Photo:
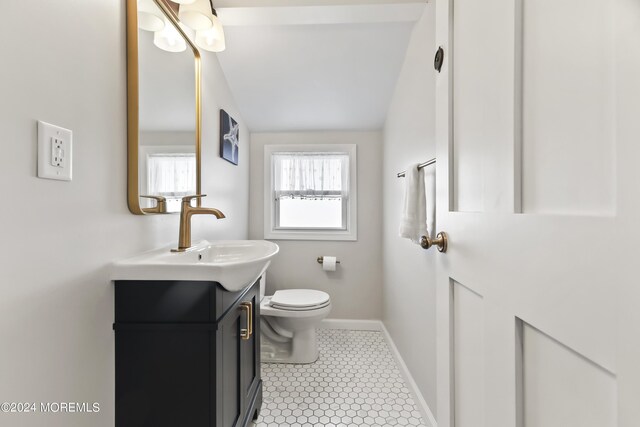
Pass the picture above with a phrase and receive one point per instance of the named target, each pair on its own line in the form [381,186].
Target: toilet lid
[313,308]
[299,299]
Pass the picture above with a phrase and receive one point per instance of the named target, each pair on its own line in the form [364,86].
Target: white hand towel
[413,222]
[430,190]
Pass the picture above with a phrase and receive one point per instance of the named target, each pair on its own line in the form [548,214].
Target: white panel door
[538,174]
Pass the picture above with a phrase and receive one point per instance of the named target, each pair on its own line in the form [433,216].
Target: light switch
[54,152]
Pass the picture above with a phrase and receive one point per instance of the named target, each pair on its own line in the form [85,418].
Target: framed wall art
[229,138]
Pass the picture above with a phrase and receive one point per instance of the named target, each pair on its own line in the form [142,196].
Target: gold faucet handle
[160,207]
[188,199]
[158,198]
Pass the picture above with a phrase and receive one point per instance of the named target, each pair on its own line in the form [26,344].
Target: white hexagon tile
[355,382]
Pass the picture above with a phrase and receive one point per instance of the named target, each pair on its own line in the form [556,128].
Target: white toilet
[288,324]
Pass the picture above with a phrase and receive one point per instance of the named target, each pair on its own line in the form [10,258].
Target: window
[310,192]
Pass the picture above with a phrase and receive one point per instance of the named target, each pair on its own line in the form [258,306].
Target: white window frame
[349,232]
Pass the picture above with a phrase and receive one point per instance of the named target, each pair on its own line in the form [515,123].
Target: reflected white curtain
[307,175]
[171,174]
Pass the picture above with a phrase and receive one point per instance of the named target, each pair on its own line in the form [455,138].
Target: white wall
[58,238]
[225,184]
[409,280]
[155,138]
[356,286]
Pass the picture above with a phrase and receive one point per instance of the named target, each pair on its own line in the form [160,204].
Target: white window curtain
[309,175]
[171,175]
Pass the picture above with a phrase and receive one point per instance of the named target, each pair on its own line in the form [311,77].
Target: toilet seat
[267,310]
[315,307]
[299,299]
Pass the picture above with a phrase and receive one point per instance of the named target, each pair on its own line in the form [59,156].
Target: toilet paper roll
[328,263]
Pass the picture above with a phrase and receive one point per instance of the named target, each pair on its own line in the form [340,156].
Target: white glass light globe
[196,15]
[150,18]
[213,38]
[169,39]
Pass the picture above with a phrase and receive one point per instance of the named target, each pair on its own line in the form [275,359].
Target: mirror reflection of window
[167,168]
[172,175]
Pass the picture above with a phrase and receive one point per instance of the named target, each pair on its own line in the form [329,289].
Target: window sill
[339,235]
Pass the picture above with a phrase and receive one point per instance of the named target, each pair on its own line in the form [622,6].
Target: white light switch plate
[54,152]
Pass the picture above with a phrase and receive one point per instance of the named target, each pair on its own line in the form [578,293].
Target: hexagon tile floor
[355,382]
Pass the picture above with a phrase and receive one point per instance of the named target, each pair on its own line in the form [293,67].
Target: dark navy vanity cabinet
[187,354]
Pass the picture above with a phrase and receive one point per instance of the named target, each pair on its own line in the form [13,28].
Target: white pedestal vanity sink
[187,335]
[234,264]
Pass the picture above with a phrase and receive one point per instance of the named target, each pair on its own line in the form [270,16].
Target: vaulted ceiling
[296,65]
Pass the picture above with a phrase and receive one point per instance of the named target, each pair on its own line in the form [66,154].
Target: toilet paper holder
[321,260]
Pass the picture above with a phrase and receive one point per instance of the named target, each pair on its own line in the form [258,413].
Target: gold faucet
[160,207]
[186,212]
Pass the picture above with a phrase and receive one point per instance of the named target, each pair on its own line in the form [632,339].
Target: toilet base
[301,349]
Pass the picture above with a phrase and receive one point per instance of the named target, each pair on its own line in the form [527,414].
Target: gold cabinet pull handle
[158,198]
[441,241]
[250,318]
[245,334]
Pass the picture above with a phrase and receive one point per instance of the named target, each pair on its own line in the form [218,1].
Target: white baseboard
[351,324]
[377,325]
[413,387]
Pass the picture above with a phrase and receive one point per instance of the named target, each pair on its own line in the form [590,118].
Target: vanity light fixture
[198,17]
[169,39]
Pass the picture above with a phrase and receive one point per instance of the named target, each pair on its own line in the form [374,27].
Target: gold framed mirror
[163,109]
